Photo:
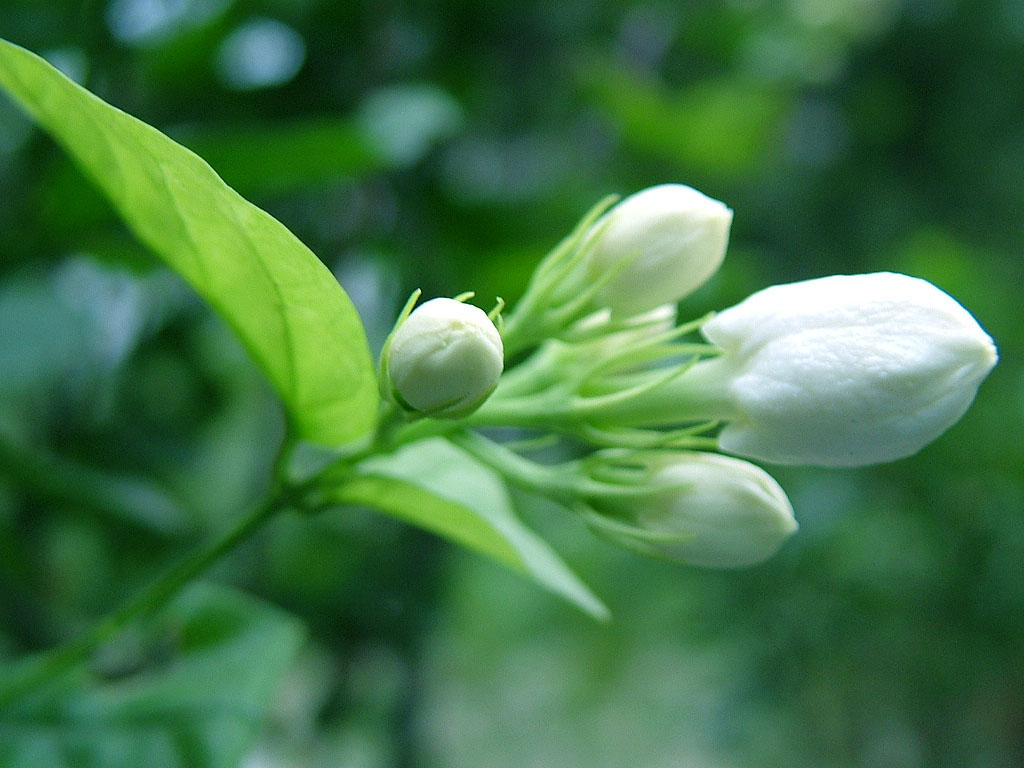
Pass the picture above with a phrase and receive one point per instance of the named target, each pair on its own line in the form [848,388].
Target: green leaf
[216,661]
[720,128]
[438,487]
[282,302]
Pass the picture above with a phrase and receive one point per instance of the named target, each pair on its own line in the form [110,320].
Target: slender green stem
[393,431]
[568,482]
[692,393]
[41,669]
[700,393]
[34,672]
[518,470]
[50,665]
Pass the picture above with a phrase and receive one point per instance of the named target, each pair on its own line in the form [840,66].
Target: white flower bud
[846,370]
[673,239]
[721,513]
[445,359]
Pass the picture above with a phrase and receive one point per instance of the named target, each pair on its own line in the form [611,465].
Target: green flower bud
[665,242]
[716,512]
[444,360]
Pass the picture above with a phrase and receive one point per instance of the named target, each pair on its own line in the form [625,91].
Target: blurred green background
[448,145]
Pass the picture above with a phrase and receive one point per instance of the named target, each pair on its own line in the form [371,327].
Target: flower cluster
[838,371]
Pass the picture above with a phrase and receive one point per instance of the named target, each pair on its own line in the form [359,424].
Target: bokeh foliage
[448,145]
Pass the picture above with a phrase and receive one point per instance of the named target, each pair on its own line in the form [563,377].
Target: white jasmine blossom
[666,241]
[845,370]
[719,512]
[444,359]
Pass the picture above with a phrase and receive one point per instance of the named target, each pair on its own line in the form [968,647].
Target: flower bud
[665,240]
[719,512]
[444,359]
[846,370]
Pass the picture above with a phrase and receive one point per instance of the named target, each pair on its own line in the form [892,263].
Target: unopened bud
[444,359]
[846,370]
[718,512]
[663,242]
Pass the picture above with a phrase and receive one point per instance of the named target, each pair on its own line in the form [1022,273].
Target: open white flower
[721,512]
[666,241]
[845,370]
[444,359]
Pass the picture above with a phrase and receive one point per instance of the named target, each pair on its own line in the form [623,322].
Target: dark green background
[447,146]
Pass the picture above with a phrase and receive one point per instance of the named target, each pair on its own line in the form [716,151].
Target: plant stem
[41,669]
[699,394]
[520,471]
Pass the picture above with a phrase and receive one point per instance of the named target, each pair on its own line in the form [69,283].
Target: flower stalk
[36,671]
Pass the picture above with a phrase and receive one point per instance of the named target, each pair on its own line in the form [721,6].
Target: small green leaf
[197,702]
[438,487]
[414,505]
[281,301]
[719,127]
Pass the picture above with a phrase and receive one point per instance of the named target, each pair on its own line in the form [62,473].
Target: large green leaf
[281,301]
[438,487]
[214,665]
